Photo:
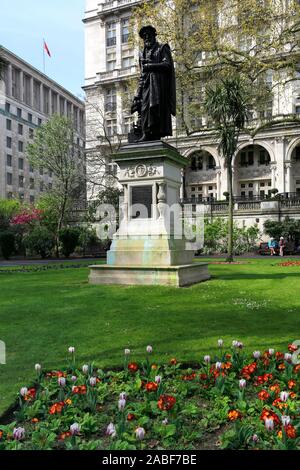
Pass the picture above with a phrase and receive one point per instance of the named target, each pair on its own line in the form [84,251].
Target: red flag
[47,49]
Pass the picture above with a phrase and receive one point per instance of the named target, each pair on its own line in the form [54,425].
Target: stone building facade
[270,161]
[29,98]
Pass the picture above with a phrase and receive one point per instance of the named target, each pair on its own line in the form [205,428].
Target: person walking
[282,246]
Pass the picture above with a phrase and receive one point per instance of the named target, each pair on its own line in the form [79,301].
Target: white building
[29,98]
[269,161]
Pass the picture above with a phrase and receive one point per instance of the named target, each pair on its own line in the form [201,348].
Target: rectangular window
[9,178]
[31,183]
[31,199]
[31,133]
[110,100]
[125,30]
[7,107]
[250,194]
[39,122]
[29,117]
[111,36]
[111,61]
[297,109]
[19,113]
[8,142]
[127,59]
[250,185]
[41,171]
[8,124]
[21,164]
[46,93]
[20,129]
[262,193]
[111,127]
[31,169]
[9,160]
[50,186]
[20,146]
[41,186]
[21,181]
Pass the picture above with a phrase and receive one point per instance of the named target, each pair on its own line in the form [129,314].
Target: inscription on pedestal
[142,195]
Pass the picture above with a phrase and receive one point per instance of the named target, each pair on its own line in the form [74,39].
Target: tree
[55,149]
[257,39]
[228,105]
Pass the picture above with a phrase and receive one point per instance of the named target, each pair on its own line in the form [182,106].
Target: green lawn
[42,314]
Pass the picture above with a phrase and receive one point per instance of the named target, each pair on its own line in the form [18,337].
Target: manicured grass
[43,313]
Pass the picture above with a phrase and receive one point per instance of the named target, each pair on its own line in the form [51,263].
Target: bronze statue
[155,100]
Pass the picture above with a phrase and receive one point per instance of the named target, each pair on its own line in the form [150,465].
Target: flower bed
[232,401]
[287,264]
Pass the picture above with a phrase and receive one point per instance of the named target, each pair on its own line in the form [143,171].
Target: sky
[24,24]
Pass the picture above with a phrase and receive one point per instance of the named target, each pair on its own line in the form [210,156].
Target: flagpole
[44,62]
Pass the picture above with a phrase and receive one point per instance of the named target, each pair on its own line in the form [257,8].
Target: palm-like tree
[228,105]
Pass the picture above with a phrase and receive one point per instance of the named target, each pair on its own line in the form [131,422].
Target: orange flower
[131,417]
[166,402]
[291,384]
[228,356]
[263,395]
[279,434]
[227,365]
[64,435]
[173,361]
[297,368]
[290,431]
[203,376]
[233,415]
[35,420]
[279,404]
[30,394]
[68,402]
[269,414]
[154,367]
[279,356]
[275,388]
[1,434]
[151,387]
[189,377]
[281,367]
[133,367]
[79,390]
[292,348]
[292,395]
[56,408]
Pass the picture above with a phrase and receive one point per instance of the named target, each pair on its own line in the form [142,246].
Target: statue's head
[148,34]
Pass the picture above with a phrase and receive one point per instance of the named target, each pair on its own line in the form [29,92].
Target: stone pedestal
[149,247]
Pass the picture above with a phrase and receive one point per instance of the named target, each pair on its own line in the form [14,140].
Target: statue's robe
[157,91]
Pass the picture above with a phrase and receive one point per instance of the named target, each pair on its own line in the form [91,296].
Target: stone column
[288,188]
[9,80]
[31,93]
[280,157]
[21,85]
[273,170]
[256,188]
[119,110]
[219,194]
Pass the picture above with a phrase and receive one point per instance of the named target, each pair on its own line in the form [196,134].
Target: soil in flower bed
[230,401]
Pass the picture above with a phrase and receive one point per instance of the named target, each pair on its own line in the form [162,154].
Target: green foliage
[69,238]
[39,241]
[289,229]
[7,243]
[215,237]
[8,208]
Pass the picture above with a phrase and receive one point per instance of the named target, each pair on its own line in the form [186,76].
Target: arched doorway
[252,172]
[201,182]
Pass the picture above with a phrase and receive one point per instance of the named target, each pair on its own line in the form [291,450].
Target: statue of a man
[155,100]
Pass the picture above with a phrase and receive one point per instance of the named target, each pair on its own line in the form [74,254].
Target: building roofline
[44,76]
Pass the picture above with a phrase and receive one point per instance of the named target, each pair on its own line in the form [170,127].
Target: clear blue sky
[24,24]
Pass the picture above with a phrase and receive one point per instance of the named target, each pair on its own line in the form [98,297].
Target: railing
[252,206]
[117,73]
[113,4]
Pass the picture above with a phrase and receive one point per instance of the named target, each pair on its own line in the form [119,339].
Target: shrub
[69,239]
[87,239]
[39,241]
[7,243]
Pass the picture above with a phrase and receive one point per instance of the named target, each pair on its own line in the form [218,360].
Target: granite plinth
[175,276]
